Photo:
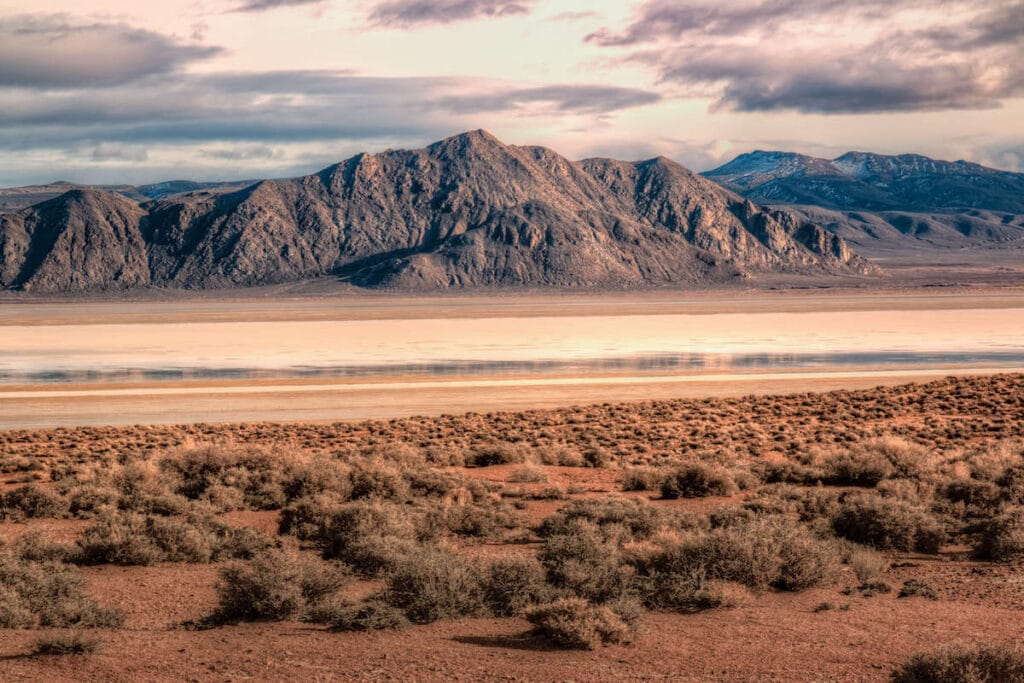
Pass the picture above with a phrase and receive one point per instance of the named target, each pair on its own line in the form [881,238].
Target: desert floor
[962,434]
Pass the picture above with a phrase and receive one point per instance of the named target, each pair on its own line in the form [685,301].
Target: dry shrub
[133,539]
[76,643]
[32,502]
[584,561]
[511,585]
[577,624]
[641,479]
[1002,538]
[908,459]
[992,461]
[759,554]
[379,481]
[697,480]
[371,615]
[528,474]
[637,519]
[857,467]
[47,594]
[497,454]
[997,663]
[434,583]
[274,586]
[306,517]
[867,564]
[370,536]
[887,524]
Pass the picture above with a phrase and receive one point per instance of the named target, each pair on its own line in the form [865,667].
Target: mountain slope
[467,211]
[893,206]
[81,240]
[873,182]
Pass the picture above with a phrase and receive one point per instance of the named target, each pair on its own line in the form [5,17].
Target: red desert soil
[775,636]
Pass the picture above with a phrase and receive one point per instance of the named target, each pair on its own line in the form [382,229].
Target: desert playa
[312,358]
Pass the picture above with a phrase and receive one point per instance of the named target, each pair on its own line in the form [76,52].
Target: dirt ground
[777,635]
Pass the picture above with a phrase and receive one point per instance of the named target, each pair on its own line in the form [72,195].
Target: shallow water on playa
[549,345]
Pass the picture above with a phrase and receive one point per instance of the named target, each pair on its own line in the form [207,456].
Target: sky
[111,91]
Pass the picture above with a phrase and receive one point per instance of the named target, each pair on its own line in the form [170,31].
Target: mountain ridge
[467,211]
[871,182]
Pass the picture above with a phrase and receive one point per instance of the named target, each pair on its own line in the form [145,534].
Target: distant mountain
[882,203]
[871,182]
[467,211]
[15,198]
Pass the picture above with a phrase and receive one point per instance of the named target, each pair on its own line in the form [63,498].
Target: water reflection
[638,364]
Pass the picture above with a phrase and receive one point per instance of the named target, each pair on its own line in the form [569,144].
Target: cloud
[264,5]
[774,55]
[575,16]
[412,12]
[110,151]
[282,106]
[867,82]
[671,19]
[586,99]
[42,51]
[242,153]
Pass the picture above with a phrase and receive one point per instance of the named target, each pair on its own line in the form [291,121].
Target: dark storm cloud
[586,99]
[762,56]
[411,12]
[263,5]
[54,51]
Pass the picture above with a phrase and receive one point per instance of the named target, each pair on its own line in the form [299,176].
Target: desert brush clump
[74,643]
[987,663]
[47,594]
[584,561]
[1001,539]
[434,583]
[511,585]
[759,554]
[374,614]
[887,524]
[574,623]
[31,502]
[697,480]
[275,585]
[638,519]
[369,536]
[130,538]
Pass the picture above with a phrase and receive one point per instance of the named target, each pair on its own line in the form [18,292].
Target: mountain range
[882,203]
[467,211]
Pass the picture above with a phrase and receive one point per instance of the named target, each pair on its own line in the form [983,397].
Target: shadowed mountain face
[467,211]
[887,204]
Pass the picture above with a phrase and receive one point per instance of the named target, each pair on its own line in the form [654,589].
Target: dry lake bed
[219,360]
